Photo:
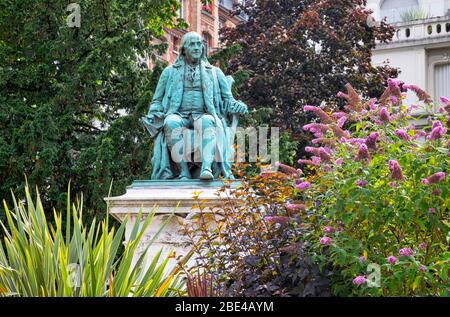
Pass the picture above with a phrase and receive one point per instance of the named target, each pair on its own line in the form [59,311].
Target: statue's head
[192,47]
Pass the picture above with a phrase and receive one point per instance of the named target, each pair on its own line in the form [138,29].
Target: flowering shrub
[368,215]
[378,194]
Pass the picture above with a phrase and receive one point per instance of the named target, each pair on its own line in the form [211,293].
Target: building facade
[421,44]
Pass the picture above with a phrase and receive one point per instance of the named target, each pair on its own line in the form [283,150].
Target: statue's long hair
[185,40]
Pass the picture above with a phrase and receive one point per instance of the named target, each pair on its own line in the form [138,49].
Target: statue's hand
[239,107]
[153,121]
[157,114]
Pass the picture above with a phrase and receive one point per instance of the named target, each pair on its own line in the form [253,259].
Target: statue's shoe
[206,175]
[183,177]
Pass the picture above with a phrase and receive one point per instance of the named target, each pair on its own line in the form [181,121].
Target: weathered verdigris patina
[191,105]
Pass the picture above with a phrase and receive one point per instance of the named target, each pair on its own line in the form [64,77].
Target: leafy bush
[379,195]
[37,259]
[252,245]
[368,216]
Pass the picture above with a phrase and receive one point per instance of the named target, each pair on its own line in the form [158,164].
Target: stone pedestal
[172,199]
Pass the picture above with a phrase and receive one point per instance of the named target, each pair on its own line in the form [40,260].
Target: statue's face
[194,48]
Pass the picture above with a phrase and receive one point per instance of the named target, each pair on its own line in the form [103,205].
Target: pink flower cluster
[338,115]
[359,280]
[325,240]
[303,186]
[393,100]
[292,206]
[341,121]
[373,104]
[276,219]
[316,128]
[402,134]
[371,140]
[363,153]
[361,183]
[384,115]
[437,131]
[289,169]
[320,113]
[422,246]
[419,133]
[446,102]
[434,179]
[405,252]
[392,259]
[396,171]
[421,94]
[394,83]
[323,152]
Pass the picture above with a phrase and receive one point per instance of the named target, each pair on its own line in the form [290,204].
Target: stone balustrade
[418,32]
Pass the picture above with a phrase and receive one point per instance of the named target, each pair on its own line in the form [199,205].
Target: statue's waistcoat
[176,87]
[192,100]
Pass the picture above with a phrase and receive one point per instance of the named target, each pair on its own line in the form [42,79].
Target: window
[207,42]
[395,10]
[242,14]
[221,23]
[208,8]
[441,81]
[176,43]
[181,9]
[228,4]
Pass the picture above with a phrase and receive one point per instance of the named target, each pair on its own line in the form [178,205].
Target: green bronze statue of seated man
[192,95]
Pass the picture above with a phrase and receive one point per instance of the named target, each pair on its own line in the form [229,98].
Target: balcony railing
[425,29]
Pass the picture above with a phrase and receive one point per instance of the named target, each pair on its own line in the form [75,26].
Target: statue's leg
[205,126]
[173,129]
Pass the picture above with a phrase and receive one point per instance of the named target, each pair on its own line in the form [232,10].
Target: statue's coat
[167,100]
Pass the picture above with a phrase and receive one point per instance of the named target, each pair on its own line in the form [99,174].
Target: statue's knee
[207,121]
[172,122]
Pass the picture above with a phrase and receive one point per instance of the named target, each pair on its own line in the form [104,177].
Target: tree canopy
[71,97]
[303,52]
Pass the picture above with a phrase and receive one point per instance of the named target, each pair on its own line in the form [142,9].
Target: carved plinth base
[172,199]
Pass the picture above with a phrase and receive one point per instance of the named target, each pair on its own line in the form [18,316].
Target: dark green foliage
[71,98]
[291,274]
[260,116]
